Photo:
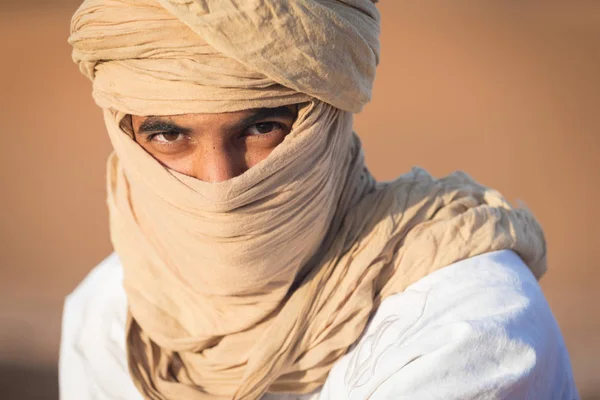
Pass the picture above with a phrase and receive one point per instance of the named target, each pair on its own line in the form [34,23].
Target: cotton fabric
[260,283]
[493,312]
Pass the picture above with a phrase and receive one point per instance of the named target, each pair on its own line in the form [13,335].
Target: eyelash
[276,126]
[151,137]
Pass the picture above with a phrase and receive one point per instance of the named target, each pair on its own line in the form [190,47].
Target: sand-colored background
[508,91]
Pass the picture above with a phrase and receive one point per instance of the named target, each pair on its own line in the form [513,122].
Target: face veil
[260,283]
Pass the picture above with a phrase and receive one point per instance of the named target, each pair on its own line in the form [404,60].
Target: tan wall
[508,92]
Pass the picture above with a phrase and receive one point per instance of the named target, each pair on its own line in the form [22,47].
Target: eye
[166,137]
[263,128]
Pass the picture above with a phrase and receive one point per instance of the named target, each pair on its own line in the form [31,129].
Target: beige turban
[260,283]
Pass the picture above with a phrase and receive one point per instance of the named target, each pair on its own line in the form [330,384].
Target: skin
[214,147]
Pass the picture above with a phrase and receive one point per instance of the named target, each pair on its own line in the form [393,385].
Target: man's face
[214,147]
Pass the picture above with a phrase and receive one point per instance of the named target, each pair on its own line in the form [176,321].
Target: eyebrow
[157,124]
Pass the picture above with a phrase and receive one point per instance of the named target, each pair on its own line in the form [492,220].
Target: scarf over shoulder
[260,283]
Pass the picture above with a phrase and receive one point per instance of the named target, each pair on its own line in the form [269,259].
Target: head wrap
[260,283]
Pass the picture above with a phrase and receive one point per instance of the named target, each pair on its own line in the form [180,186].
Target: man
[257,257]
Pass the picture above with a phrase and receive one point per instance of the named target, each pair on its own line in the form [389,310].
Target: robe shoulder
[93,361]
[478,329]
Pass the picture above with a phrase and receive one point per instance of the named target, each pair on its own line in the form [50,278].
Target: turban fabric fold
[261,283]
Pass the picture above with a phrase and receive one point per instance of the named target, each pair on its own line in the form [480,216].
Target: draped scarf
[262,282]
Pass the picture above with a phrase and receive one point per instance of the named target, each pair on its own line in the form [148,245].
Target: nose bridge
[217,161]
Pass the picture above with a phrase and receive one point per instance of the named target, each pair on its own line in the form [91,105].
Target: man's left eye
[263,128]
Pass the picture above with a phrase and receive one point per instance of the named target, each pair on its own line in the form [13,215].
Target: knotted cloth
[260,283]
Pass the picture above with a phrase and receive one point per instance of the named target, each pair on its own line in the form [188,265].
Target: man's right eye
[165,138]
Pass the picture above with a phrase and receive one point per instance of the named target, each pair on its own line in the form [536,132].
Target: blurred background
[507,91]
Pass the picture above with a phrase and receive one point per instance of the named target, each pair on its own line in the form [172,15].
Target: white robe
[477,329]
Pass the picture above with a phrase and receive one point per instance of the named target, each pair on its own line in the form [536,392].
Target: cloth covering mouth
[261,283]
